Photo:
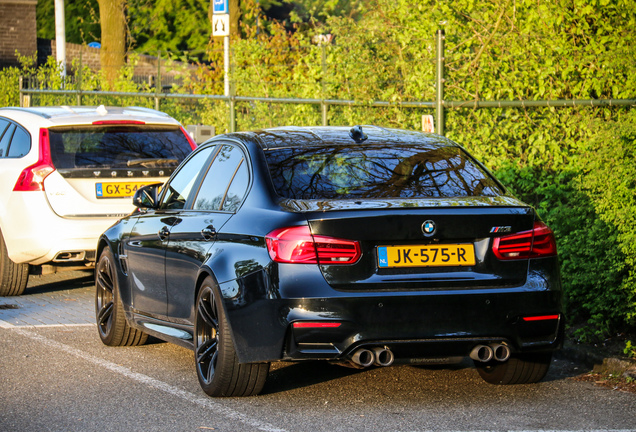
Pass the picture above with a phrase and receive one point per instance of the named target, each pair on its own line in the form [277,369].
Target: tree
[315,11]
[82,20]
[113,24]
[169,25]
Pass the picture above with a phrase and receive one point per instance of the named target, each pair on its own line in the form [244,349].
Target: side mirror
[147,196]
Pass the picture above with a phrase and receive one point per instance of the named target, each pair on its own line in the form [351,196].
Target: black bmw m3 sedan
[363,246]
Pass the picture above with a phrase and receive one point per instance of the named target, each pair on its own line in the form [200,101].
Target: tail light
[32,178]
[317,324]
[540,318]
[193,144]
[298,245]
[535,243]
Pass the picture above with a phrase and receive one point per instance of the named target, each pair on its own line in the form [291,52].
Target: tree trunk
[235,15]
[113,23]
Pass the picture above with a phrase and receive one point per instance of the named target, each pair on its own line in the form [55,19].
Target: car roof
[302,136]
[67,115]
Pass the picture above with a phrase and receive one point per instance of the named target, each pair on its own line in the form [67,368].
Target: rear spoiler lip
[307,206]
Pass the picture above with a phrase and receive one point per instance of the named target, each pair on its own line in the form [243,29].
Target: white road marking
[34,326]
[204,402]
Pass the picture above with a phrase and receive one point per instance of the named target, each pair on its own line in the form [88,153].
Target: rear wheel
[519,369]
[218,369]
[111,322]
[13,277]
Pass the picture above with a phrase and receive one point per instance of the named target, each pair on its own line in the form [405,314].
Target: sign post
[428,123]
[220,7]
[221,27]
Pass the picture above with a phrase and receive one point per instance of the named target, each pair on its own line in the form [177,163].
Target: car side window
[180,186]
[3,127]
[225,182]
[5,138]
[237,189]
[20,144]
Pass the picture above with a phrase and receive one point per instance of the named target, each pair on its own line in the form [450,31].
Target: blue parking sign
[220,7]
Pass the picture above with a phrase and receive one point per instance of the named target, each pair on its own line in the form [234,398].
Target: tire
[216,362]
[520,369]
[109,311]
[13,277]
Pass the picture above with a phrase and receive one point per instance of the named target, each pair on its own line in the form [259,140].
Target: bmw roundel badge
[428,228]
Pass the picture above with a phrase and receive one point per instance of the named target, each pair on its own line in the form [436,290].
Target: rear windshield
[377,171]
[118,147]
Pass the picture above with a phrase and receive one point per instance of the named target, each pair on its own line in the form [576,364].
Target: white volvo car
[67,174]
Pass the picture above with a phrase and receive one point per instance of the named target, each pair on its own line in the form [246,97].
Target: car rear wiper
[152,163]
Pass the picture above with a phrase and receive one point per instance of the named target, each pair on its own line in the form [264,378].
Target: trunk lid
[99,168]
[398,253]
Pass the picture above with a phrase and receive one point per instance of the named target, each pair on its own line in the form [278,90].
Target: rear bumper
[419,328]
[413,324]
[35,235]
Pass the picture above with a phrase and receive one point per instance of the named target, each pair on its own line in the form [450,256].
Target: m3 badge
[500,229]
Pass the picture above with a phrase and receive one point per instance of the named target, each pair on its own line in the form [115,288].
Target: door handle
[164,233]
[208,233]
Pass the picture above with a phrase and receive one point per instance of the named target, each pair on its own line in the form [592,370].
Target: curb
[599,362]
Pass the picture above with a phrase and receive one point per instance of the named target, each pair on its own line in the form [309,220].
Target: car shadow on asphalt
[563,368]
[51,284]
[290,376]
[560,368]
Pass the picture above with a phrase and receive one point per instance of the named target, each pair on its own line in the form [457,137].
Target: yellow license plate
[445,255]
[117,190]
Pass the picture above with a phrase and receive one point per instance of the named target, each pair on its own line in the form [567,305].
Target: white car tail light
[32,177]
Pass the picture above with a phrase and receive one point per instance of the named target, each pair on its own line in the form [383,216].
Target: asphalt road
[56,375]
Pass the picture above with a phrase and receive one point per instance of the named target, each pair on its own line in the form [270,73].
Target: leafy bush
[593,268]
[630,350]
[609,178]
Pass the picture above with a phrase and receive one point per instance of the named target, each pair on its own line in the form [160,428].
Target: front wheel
[13,277]
[519,369]
[109,311]
[217,366]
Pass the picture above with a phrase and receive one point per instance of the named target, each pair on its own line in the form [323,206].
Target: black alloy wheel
[217,366]
[207,336]
[111,322]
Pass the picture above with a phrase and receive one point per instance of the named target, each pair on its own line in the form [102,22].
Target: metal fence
[438,106]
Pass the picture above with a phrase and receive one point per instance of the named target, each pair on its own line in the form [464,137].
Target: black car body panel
[420,313]
[415,318]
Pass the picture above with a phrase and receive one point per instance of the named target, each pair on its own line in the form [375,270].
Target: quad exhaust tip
[378,356]
[383,356]
[485,353]
[363,357]
[501,352]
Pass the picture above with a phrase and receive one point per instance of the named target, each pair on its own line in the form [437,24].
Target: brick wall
[90,56]
[146,65]
[17,30]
